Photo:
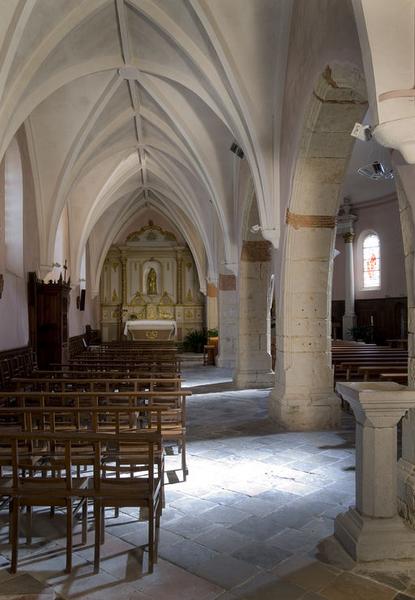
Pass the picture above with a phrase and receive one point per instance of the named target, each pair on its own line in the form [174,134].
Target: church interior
[207,299]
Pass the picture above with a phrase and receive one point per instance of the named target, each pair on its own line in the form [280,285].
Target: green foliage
[195,340]
[212,333]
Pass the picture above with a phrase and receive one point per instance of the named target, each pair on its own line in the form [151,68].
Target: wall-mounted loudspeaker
[82,300]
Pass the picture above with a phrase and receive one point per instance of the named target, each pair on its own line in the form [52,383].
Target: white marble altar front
[151,330]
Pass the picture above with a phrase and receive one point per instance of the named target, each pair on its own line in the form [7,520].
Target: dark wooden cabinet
[48,314]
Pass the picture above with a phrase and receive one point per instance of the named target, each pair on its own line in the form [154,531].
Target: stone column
[227,309]
[124,279]
[349,317]
[212,306]
[253,361]
[406,465]
[179,282]
[303,397]
[373,530]
[124,296]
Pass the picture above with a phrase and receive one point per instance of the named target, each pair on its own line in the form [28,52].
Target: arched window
[13,210]
[371,261]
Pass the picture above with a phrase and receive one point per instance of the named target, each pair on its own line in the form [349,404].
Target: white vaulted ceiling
[139,100]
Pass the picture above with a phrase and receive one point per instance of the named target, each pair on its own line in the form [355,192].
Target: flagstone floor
[254,519]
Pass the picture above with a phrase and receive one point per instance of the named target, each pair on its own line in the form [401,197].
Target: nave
[253,520]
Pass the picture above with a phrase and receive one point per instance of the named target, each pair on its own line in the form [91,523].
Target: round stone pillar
[253,359]
[303,397]
[212,306]
[349,317]
[227,309]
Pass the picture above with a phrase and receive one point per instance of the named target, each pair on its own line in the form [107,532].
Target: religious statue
[152,283]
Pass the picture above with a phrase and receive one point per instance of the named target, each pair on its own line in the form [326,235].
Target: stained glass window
[371,261]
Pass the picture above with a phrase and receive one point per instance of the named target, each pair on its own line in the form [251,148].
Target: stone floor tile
[293,540]
[257,528]
[24,583]
[191,505]
[112,546]
[261,554]
[255,506]
[188,554]
[277,497]
[266,585]
[396,577]
[188,527]
[222,496]
[313,577]
[348,585]
[295,563]
[222,539]
[319,526]
[170,582]
[225,571]
[224,515]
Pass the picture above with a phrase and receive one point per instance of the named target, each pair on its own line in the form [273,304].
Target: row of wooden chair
[108,392]
[42,473]
[173,427]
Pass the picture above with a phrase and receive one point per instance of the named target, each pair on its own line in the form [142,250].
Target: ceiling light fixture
[376,171]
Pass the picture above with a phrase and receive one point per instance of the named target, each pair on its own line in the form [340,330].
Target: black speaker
[82,300]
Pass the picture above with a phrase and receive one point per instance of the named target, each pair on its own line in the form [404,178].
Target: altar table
[162,329]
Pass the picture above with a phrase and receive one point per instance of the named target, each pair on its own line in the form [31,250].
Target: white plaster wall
[384,220]
[14,325]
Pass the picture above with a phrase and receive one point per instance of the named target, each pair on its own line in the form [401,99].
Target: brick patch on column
[227,283]
[318,221]
[212,290]
[256,251]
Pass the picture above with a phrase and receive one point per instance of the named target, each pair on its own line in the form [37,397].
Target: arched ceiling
[125,99]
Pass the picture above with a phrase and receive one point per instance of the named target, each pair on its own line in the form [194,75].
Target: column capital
[348,237]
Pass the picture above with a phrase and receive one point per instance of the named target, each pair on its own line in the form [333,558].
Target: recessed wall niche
[150,276]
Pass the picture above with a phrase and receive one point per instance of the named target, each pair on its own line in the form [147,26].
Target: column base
[367,539]
[296,412]
[406,491]
[225,362]
[254,379]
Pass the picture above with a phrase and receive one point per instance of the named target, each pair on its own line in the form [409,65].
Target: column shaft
[227,309]
[303,397]
[253,364]
[349,317]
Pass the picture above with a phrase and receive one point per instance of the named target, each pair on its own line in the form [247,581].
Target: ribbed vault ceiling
[132,100]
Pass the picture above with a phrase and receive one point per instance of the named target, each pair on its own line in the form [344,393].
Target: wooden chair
[51,485]
[129,475]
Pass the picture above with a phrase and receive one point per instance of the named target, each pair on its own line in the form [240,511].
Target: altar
[150,329]
[150,286]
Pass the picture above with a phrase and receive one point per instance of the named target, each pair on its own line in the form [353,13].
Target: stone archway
[303,396]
